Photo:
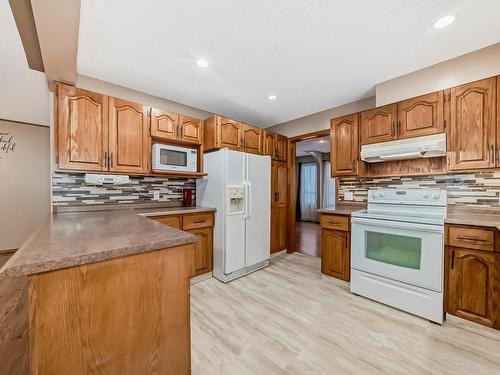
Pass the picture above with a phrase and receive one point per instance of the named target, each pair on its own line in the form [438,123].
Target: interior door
[379,124]
[406,252]
[82,127]
[234,253]
[129,142]
[230,133]
[258,216]
[344,145]
[423,115]
[473,127]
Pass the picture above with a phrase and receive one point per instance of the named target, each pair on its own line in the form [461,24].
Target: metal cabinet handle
[111,161]
[492,154]
[106,159]
[334,222]
[394,128]
[466,238]
[199,221]
[276,196]
[453,259]
[399,128]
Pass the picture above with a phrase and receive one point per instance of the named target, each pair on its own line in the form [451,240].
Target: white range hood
[428,146]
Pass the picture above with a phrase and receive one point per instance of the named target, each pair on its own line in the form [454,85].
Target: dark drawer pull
[199,221]
[334,222]
[471,239]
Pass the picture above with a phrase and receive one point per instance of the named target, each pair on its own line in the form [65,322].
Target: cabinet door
[82,129]
[281,147]
[230,133]
[191,129]
[423,115]
[269,143]
[203,250]
[379,124]
[344,145]
[164,125]
[278,206]
[280,196]
[129,144]
[252,139]
[278,228]
[335,254]
[473,128]
[473,285]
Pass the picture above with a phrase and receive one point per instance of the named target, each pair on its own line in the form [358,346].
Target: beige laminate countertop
[474,216]
[342,209]
[71,239]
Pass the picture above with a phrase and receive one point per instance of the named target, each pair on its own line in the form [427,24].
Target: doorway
[314,189]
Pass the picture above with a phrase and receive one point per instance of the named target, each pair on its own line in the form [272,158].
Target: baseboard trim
[200,278]
[278,253]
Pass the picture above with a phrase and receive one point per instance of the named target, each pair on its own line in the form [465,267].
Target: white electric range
[397,250]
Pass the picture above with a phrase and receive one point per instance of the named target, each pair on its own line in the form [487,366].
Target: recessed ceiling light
[444,22]
[202,63]
[322,141]
[272,97]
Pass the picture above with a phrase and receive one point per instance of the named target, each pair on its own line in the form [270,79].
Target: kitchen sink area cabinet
[335,246]
[472,279]
[473,128]
[344,145]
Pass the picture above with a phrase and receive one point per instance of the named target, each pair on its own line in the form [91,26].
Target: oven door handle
[397,225]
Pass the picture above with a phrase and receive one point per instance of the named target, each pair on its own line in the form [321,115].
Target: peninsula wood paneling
[123,316]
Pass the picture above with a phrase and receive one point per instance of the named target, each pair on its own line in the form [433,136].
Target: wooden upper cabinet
[164,125]
[420,116]
[473,127]
[379,124]
[191,129]
[129,142]
[229,133]
[344,145]
[473,285]
[269,140]
[252,139]
[82,129]
[281,147]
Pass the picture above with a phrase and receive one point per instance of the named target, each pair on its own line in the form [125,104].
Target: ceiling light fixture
[444,22]
[322,141]
[272,97]
[202,63]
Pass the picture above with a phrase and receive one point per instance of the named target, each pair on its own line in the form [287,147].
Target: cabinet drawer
[197,221]
[337,222]
[471,238]
[172,220]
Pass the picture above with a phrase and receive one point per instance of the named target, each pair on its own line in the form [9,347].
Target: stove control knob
[426,195]
[436,196]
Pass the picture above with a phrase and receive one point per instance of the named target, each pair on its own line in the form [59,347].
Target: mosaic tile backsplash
[466,189]
[69,189]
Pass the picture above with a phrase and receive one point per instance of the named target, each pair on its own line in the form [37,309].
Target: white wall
[471,67]
[25,182]
[24,93]
[110,89]
[321,120]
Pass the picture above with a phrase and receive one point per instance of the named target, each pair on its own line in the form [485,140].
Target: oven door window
[173,157]
[402,251]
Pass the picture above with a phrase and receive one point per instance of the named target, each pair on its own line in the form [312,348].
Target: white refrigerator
[238,185]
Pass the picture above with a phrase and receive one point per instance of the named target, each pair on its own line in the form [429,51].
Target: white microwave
[174,158]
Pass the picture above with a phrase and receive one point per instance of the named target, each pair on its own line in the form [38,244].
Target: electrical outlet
[348,196]
[156,195]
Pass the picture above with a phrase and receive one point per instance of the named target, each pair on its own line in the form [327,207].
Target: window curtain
[328,186]
[308,209]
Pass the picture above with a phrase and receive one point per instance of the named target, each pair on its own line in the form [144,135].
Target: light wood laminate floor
[286,319]
[308,238]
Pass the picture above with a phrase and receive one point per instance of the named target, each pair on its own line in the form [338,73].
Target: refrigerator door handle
[249,199]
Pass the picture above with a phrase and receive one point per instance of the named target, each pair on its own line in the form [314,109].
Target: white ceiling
[314,144]
[312,54]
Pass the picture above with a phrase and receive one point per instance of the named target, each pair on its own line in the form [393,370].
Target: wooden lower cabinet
[128,315]
[473,285]
[203,250]
[335,248]
[201,225]
[278,229]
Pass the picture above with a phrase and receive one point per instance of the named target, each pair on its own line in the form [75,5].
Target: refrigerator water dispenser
[236,196]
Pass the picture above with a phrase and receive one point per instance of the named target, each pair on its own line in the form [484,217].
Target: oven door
[408,252]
